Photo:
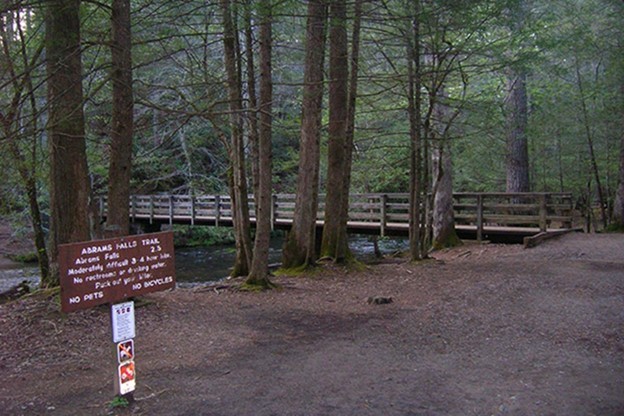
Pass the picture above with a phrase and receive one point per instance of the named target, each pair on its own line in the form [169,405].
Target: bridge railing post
[192,209]
[217,209]
[479,218]
[151,208]
[170,209]
[133,207]
[543,212]
[273,211]
[383,215]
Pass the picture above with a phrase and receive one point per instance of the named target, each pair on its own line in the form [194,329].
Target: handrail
[380,210]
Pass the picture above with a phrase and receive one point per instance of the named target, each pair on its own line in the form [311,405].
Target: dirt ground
[479,330]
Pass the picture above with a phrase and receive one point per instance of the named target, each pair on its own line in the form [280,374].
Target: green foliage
[24,257]
[181,105]
[119,402]
[189,236]
[614,228]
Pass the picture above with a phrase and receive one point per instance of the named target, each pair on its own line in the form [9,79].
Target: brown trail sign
[106,271]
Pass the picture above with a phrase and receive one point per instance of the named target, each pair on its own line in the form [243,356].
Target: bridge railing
[379,211]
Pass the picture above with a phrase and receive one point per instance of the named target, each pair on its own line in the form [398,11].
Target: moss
[258,286]
[452,240]
[293,271]
[24,257]
[614,228]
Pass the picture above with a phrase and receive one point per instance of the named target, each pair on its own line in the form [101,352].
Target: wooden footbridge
[505,217]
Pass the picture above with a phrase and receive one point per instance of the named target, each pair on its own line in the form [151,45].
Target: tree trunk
[517,156]
[516,116]
[69,180]
[350,128]
[252,114]
[300,247]
[334,243]
[238,189]
[443,218]
[259,273]
[120,169]
[413,102]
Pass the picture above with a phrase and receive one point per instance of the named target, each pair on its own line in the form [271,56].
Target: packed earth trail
[477,330]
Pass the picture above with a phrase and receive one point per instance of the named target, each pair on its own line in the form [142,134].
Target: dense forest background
[471,55]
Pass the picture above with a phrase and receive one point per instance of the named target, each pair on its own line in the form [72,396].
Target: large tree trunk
[238,188]
[444,234]
[69,180]
[517,156]
[334,242]
[259,273]
[300,246]
[443,218]
[350,127]
[413,102]
[120,169]
[516,115]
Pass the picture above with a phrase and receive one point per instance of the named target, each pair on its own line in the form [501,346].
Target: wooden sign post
[109,271]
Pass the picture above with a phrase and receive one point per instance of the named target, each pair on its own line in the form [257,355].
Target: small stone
[379,300]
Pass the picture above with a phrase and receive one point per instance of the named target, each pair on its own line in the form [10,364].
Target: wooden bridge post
[192,209]
[170,209]
[133,207]
[273,211]
[384,218]
[543,212]
[479,217]
[151,209]
[217,210]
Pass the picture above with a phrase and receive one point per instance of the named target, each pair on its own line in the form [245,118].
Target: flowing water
[195,265]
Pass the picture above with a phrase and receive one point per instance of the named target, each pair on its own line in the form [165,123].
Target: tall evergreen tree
[335,244]
[120,172]
[259,273]
[300,246]
[516,111]
[69,179]
[238,181]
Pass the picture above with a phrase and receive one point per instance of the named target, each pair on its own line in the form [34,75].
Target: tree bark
[120,169]
[252,113]
[334,243]
[443,218]
[516,116]
[238,188]
[69,181]
[259,273]
[517,156]
[350,127]
[413,103]
[300,247]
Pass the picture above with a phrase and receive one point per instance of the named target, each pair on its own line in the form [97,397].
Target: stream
[197,265]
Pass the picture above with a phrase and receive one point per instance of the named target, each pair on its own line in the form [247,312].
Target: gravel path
[480,330]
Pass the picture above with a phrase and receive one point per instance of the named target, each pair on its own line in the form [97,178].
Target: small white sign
[125,351]
[127,377]
[123,321]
